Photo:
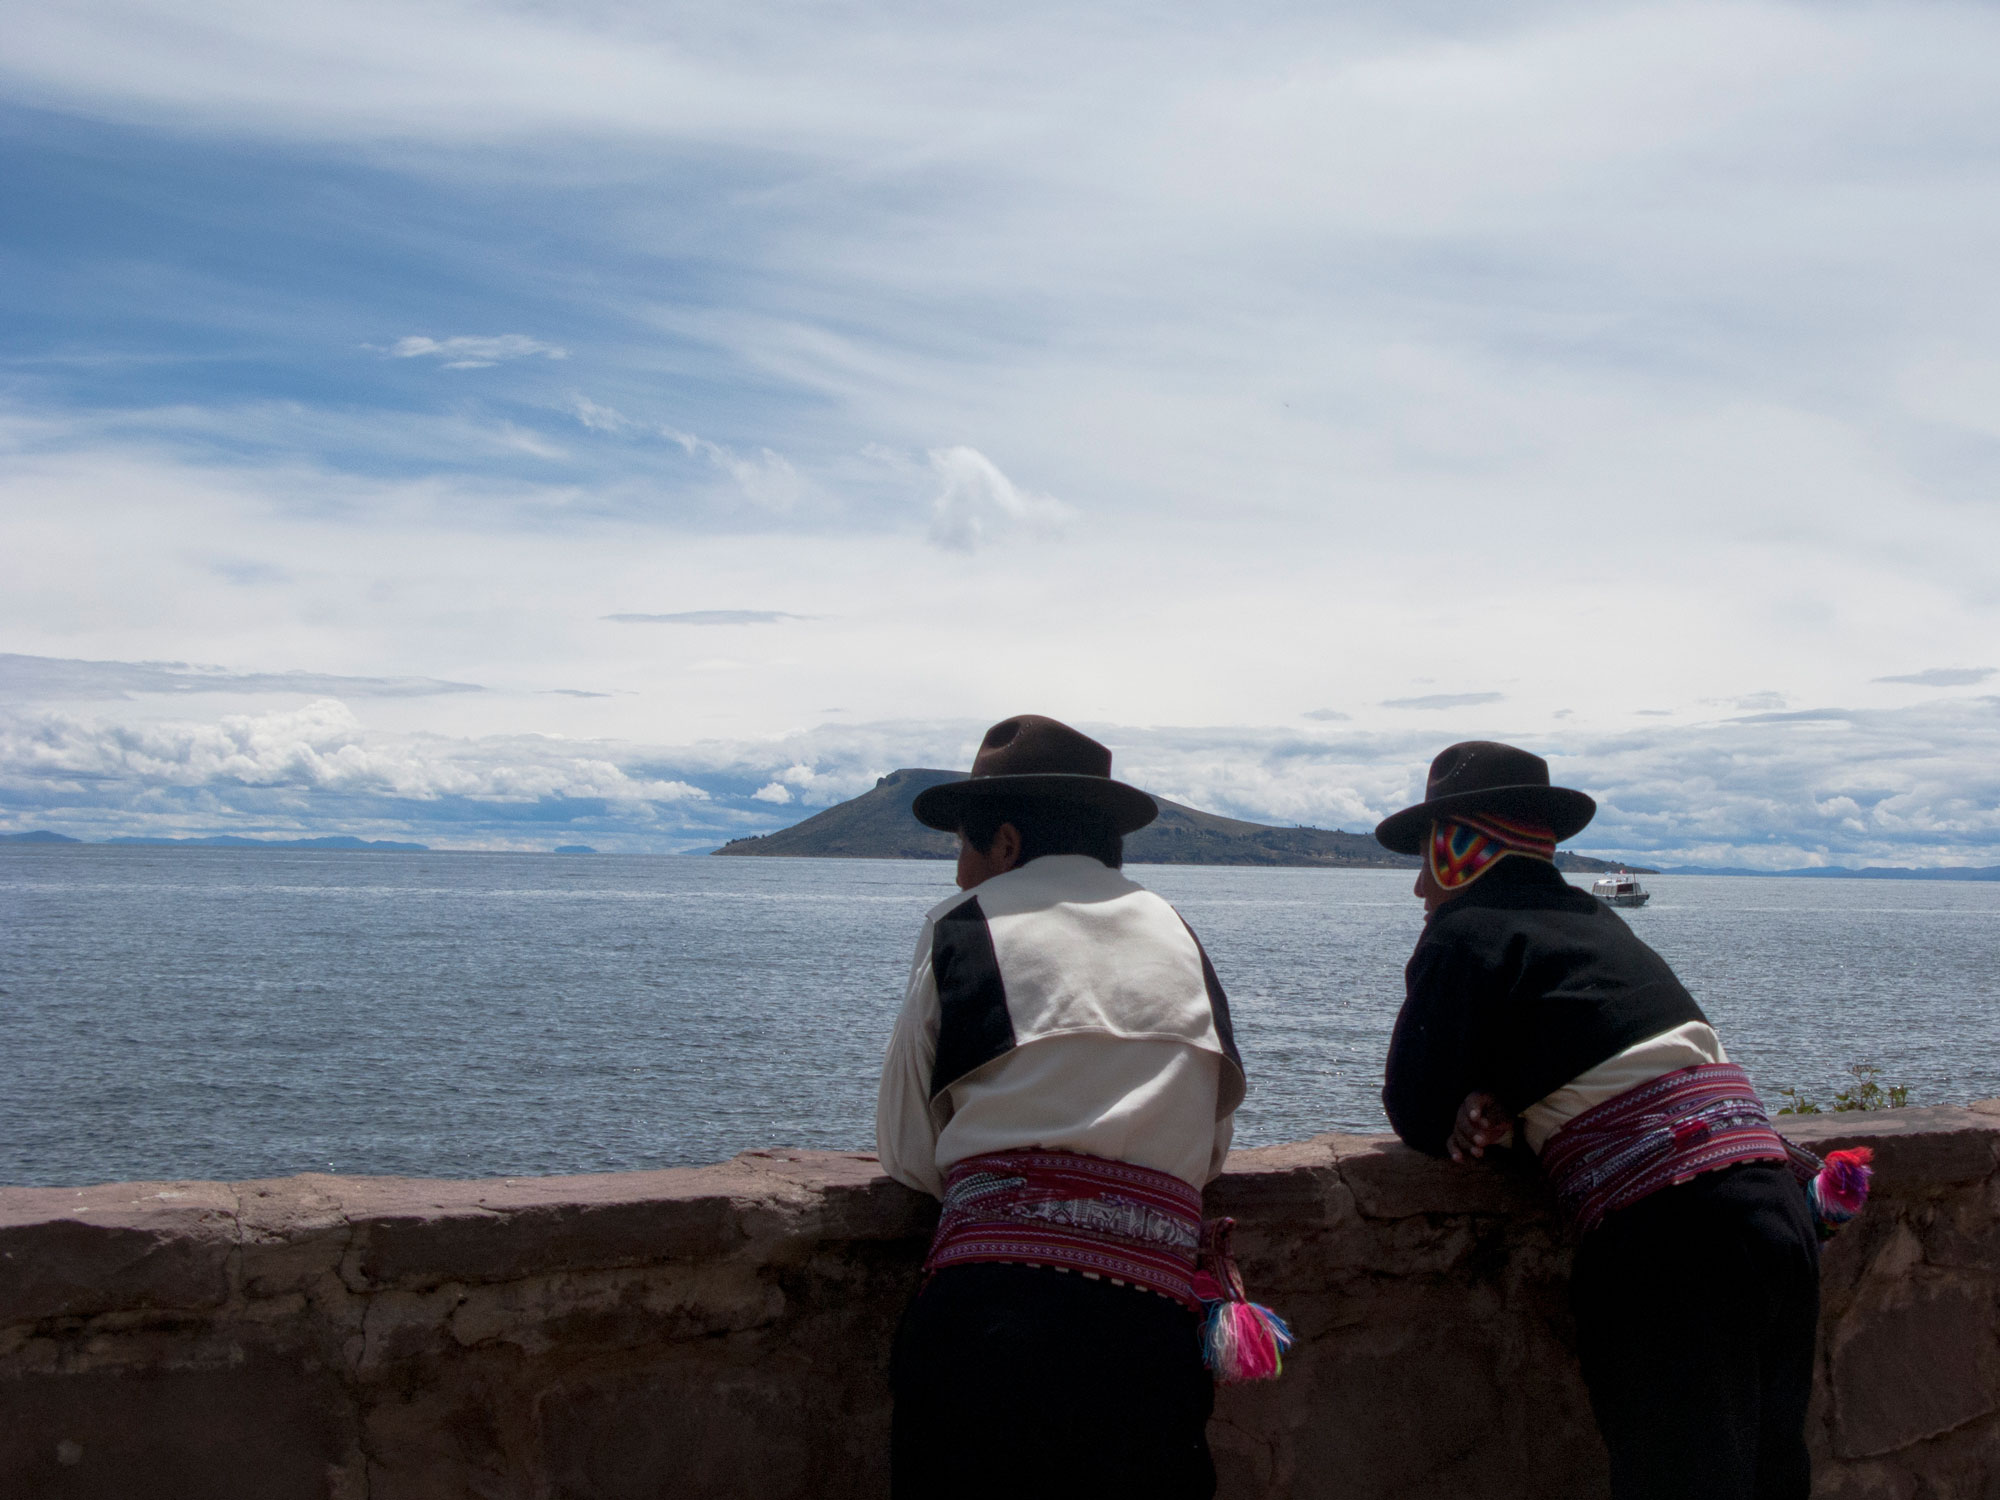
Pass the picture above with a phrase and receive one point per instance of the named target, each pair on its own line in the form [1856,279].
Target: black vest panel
[973,1024]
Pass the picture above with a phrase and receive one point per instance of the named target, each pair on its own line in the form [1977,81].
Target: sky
[513,425]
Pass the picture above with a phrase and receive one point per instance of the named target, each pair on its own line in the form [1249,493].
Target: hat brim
[1560,809]
[943,807]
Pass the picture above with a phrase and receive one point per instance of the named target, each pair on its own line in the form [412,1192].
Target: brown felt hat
[1030,756]
[1486,776]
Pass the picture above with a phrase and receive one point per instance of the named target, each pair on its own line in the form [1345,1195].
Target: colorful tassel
[1244,1341]
[1240,1339]
[1840,1188]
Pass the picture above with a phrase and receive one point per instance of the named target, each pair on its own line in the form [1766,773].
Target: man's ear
[1006,851]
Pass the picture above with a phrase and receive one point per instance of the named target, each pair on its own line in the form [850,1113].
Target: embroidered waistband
[1081,1213]
[1683,1123]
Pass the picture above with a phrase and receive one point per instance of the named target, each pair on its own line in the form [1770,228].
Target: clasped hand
[1481,1123]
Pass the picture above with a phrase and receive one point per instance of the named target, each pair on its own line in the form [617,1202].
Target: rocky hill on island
[879,825]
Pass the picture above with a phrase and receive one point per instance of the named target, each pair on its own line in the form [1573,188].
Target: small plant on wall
[1865,1092]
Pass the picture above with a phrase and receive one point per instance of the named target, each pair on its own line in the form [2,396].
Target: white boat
[1620,889]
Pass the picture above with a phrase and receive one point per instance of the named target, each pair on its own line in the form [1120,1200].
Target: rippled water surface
[226,1013]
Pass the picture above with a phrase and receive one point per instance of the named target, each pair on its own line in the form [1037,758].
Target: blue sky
[640,426]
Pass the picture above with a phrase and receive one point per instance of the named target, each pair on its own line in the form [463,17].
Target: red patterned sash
[1683,1123]
[1082,1213]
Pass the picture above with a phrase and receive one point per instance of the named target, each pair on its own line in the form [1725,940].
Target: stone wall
[725,1331]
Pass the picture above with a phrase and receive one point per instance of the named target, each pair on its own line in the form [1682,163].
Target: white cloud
[1380,346]
[1772,791]
[976,504]
[1943,677]
[35,678]
[599,418]
[813,787]
[1916,786]
[472,352]
[1954,389]
[765,478]
[707,617]
[1444,700]
[318,747]
[1912,787]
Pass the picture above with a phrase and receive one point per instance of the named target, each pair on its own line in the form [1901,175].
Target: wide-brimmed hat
[1030,756]
[1485,776]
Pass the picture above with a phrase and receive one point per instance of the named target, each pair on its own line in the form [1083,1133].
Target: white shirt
[1117,1048]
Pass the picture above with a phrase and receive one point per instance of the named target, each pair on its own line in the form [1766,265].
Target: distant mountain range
[879,825]
[1840,872]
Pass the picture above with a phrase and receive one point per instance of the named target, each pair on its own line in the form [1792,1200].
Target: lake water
[221,1013]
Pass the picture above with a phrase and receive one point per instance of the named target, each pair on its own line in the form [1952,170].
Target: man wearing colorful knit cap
[1534,1015]
[1063,1076]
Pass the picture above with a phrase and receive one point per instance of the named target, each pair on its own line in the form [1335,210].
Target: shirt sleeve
[1434,1052]
[906,1126]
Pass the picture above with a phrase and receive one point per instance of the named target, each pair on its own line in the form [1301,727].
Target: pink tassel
[1241,1339]
[1244,1341]
[1841,1187]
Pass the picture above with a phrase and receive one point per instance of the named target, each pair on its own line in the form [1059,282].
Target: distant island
[879,825]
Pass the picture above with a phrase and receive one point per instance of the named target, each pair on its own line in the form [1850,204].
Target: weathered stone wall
[725,1331]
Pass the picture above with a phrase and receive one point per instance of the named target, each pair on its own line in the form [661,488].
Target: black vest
[1516,987]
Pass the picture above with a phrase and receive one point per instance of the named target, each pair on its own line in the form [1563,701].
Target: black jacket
[1516,987]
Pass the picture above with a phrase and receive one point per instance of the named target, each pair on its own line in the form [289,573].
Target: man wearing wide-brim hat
[1063,1076]
[1534,1014]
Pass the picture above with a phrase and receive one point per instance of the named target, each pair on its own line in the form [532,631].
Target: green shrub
[1866,1092]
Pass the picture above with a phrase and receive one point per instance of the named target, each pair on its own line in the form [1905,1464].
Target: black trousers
[1696,1311]
[1020,1380]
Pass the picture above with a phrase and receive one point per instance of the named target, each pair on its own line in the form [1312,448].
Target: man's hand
[1481,1123]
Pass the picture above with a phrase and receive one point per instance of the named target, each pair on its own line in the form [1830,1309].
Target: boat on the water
[1620,889]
